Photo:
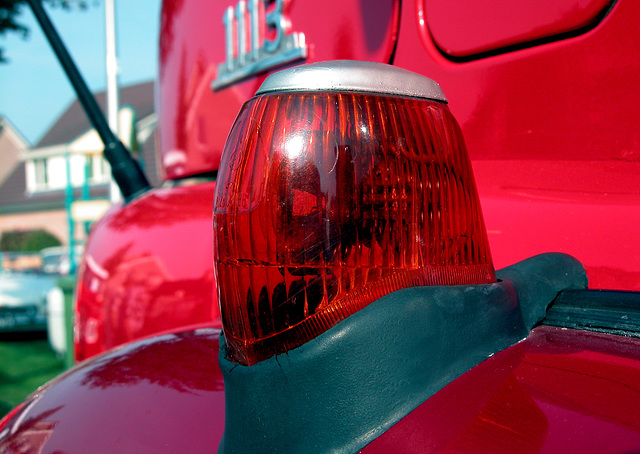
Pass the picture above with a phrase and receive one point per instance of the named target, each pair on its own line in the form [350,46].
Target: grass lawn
[26,362]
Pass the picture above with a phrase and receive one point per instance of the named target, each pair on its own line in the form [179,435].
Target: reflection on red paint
[148,269]
[158,395]
[558,391]
[33,434]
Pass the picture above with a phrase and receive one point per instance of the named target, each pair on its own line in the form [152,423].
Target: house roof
[8,128]
[11,144]
[74,121]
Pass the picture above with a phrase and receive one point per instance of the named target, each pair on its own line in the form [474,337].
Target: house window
[98,171]
[56,172]
[40,173]
[44,174]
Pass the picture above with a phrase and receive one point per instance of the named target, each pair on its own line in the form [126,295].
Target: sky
[34,90]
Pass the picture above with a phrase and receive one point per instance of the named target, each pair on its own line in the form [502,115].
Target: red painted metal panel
[551,131]
[553,137]
[195,120]
[463,28]
[160,395]
[558,118]
[558,391]
[148,268]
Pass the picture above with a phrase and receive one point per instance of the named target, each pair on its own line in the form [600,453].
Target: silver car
[23,300]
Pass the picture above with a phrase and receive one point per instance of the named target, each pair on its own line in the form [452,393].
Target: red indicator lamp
[340,182]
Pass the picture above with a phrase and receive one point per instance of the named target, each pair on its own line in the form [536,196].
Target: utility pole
[113,101]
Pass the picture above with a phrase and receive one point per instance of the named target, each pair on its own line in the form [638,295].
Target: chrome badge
[260,53]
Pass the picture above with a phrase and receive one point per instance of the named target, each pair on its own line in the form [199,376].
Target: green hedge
[27,240]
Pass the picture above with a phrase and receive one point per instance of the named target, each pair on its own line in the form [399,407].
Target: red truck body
[547,96]
[558,391]
[546,107]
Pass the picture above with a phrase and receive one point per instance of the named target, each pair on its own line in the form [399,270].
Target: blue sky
[34,91]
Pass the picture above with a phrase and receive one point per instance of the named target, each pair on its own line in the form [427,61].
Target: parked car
[56,260]
[23,302]
[360,310]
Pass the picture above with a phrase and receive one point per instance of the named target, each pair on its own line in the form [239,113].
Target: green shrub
[27,240]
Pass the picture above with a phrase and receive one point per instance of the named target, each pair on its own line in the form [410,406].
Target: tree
[10,11]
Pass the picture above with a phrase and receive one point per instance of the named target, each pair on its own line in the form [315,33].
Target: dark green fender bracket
[346,387]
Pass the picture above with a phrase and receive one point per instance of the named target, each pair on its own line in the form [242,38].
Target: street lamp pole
[113,101]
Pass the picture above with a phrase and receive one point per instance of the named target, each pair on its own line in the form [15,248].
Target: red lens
[328,201]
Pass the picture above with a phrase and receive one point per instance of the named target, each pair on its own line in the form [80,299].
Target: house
[12,144]
[66,165]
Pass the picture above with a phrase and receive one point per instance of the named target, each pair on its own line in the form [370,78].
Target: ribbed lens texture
[326,202]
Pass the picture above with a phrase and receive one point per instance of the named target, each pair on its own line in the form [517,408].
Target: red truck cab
[529,359]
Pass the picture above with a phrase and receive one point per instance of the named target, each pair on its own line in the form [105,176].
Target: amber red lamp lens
[328,201]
